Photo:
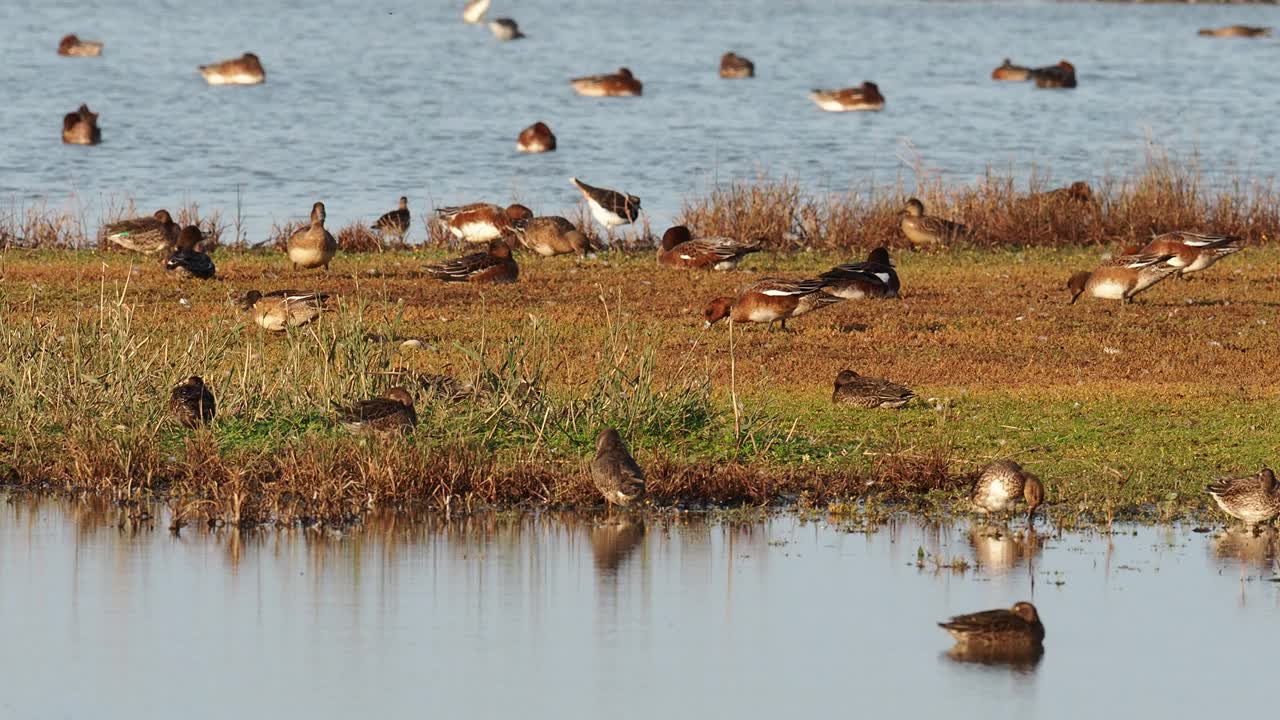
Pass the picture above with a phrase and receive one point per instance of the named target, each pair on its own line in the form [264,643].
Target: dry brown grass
[358,237]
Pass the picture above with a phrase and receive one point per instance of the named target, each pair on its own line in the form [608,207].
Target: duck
[244,70]
[505,29]
[186,260]
[769,300]
[1062,75]
[551,235]
[395,222]
[1192,252]
[614,472]
[537,138]
[191,403]
[1017,627]
[923,229]
[864,97]
[680,249]
[1077,192]
[1002,484]
[1253,498]
[609,207]
[81,127]
[492,266]
[312,246]
[619,84]
[868,392]
[733,65]
[474,11]
[279,310]
[1233,31]
[1121,277]
[481,222]
[73,46]
[392,412]
[148,235]
[1010,72]
[873,278]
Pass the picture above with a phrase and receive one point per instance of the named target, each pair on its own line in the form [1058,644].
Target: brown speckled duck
[393,412]
[923,229]
[868,392]
[619,84]
[551,235]
[148,235]
[735,66]
[1002,484]
[1016,628]
[191,403]
[279,310]
[81,127]
[1253,498]
[244,70]
[495,266]
[614,472]
[312,246]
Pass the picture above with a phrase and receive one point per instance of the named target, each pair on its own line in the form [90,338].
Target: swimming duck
[186,259]
[1121,277]
[1253,498]
[191,403]
[1192,252]
[609,207]
[493,266]
[864,97]
[1231,31]
[868,392]
[768,300]
[680,249]
[481,222]
[551,235]
[1062,75]
[474,11]
[619,84]
[1002,484]
[505,29]
[614,472]
[244,70]
[281,309]
[395,222]
[393,412]
[312,246]
[873,278]
[537,138]
[81,127]
[733,65]
[70,45]
[1009,71]
[1016,627]
[147,235]
[922,229]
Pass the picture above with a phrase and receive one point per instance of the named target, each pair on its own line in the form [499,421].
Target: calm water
[365,103]
[564,616]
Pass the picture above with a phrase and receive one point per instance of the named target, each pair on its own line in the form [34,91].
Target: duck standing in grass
[873,278]
[610,208]
[147,235]
[923,229]
[769,300]
[1002,484]
[494,266]
[868,392]
[312,246]
[279,310]
[393,412]
[244,70]
[186,259]
[680,249]
[619,84]
[72,46]
[191,403]
[1016,629]
[614,472]
[1121,277]
[551,235]
[1254,498]
[864,97]
[735,66]
[395,222]
[1192,252]
[481,222]
[81,127]
[537,138]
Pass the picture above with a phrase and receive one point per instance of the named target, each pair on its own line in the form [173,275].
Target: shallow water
[573,616]
[365,103]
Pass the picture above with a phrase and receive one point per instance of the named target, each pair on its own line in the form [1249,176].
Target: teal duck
[187,259]
[1002,484]
[393,412]
[868,392]
[1253,498]
[148,235]
[191,403]
[614,472]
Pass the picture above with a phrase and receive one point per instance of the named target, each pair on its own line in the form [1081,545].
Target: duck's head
[404,203]
[400,395]
[251,60]
[845,377]
[871,91]
[499,248]
[608,439]
[675,235]
[625,73]
[880,256]
[195,381]
[189,238]
[1026,611]
[914,207]
[1033,493]
[516,211]
[250,299]
[163,216]
[1067,67]
[318,214]
[68,42]
[1081,191]
[1268,479]
[69,121]
[716,310]
[1076,285]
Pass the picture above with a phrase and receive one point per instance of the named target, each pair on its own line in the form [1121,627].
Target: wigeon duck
[1121,277]
[1253,498]
[1231,31]
[537,138]
[81,127]
[281,309]
[393,412]
[868,392]
[768,300]
[1009,71]
[1017,627]
[873,278]
[614,472]
[244,70]
[619,84]
[395,222]
[1062,75]
[191,403]
[609,207]
[1002,484]
[186,259]
[71,45]
[864,97]
[680,249]
[481,222]
[148,235]
[922,229]
[551,235]
[733,65]
[1192,252]
[492,266]
[312,246]
[505,29]
[474,11]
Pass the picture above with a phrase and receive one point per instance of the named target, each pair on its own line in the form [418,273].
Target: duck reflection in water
[1243,546]
[997,549]
[613,541]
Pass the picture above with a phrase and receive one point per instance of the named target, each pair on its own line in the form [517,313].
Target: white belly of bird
[218,77]
[308,257]
[1252,517]
[590,89]
[1109,290]
[726,264]
[763,315]
[478,232]
[997,497]
[605,217]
